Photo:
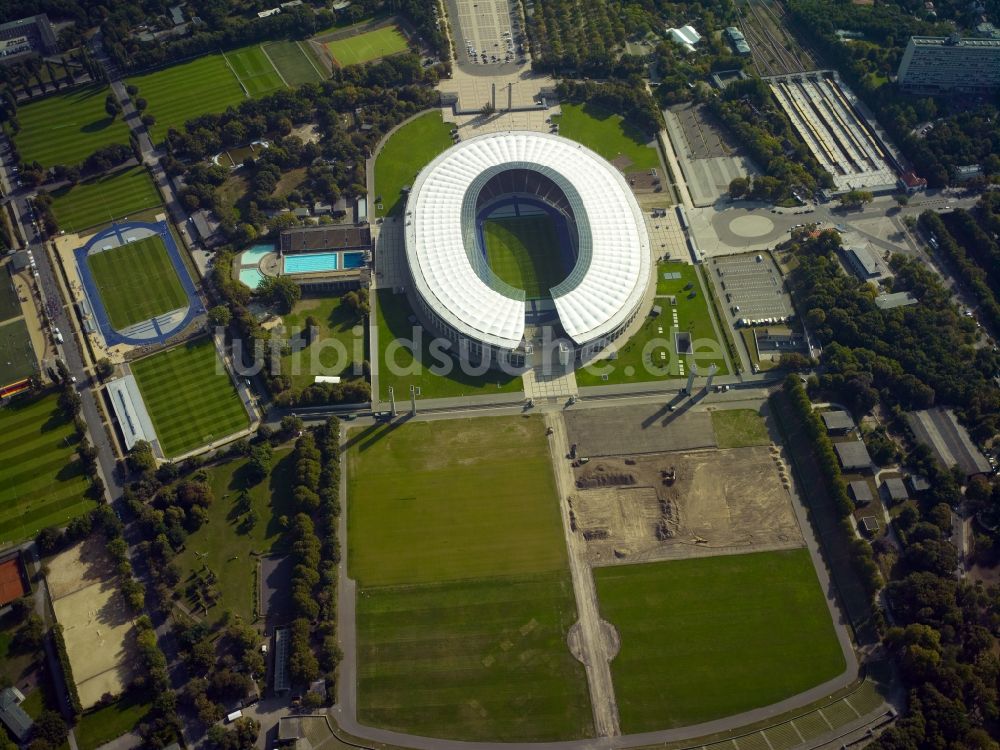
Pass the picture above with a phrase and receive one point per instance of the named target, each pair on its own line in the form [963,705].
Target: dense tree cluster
[577,36]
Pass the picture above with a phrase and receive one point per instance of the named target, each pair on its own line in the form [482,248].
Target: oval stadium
[517,238]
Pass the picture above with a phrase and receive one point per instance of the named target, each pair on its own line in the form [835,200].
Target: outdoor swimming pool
[354,260]
[251,277]
[252,255]
[311,262]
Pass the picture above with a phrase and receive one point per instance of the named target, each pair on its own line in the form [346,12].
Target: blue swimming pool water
[251,277]
[311,262]
[354,260]
[252,255]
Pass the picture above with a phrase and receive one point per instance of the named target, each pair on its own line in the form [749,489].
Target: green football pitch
[41,482]
[136,281]
[67,128]
[368,46]
[190,397]
[101,199]
[710,637]
[524,252]
[254,70]
[17,358]
[295,62]
[464,598]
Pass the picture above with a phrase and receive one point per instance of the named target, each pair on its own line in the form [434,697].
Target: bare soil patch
[684,504]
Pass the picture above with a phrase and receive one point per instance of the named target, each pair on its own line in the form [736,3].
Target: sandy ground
[97,625]
[719,502]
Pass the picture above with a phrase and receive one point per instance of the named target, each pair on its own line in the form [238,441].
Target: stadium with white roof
[602,245]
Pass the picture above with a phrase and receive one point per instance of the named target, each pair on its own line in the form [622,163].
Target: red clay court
[11,582]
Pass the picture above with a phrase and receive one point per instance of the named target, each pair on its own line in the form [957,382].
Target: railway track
[772,54]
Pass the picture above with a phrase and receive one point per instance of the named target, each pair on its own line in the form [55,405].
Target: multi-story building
[937,64]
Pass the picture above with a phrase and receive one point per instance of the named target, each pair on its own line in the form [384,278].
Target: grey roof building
[939,429]
[12,715]
[853,455]
[838,421]
[895,299]
[861,491]
[895,490]
[938,64]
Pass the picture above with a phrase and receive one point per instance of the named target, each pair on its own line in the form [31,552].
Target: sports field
[371,45]
[101,199]
[464,599]
[608,134]
[190,397]
[182,92]
[67,128]
[17,357]
[41,482]
[295,62]
[710,637]
[524,251]
[254,70]
[651,354]
[137,281]
[408,151]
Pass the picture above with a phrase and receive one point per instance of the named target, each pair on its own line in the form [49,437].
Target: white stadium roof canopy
[613,264]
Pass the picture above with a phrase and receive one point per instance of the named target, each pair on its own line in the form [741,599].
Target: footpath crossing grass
[41,481]
[524,252]
[190,397]
[254,70]
[710,637]
[608,134]
[67,128]
[464,598]
[137,281]
[295,62]
[409,150]
[371,45]
[182,92]
[102,199]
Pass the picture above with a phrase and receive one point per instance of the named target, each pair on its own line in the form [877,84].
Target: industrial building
[946,65]
[738,41]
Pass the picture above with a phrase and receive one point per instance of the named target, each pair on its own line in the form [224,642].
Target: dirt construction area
[96,621]
[684,504]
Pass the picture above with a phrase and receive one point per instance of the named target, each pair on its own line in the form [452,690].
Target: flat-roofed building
[939,429]
[853,455]
[861,492]
[837,421]
[894,490]
[945,65]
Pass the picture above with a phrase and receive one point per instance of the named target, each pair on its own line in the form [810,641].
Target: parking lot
[751,288]
[489,34]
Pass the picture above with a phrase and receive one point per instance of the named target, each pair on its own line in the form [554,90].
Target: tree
[104,368]
[902,199]
[739,187]
[856,198]
[357,301]
[282,292]
[112,107]
[140,458]
[259,465]
[219,316]
[50,727]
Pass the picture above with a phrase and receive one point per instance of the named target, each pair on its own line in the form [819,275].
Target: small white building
[685,36]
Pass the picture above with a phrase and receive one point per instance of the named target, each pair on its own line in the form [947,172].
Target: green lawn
[738,428]
[226,546]
[472,660]
[608,134]
[338,347]
[464,600]
[67,128]
[368,46]
[711,637]
[524,252]
[16,664]
[408,151]
[17,357]
[639,359]
[420,491]
[295,62]
[100,199]
[254,70]
[96,728]
[137,281]
[190,397]
[395,343]
[10,307]
[182,92]
[41,481]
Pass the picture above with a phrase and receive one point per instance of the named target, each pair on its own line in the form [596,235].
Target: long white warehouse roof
[613,265]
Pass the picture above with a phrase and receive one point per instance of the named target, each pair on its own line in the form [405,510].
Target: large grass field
[181,92]
[524,252]
[17,357]
[226,546]
[294,61]
[137,281]
[254,70]
[639,359]
[190,397]
[41,481]
[99,200]
[399,368]
[368,46]
[738,428]
[408,151]
[10,307]
[96,728]
[710,637]
[67,128]
[452,500]
[464,600]
[608,134]
[339,345]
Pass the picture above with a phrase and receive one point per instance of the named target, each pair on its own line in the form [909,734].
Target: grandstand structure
[601,236]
